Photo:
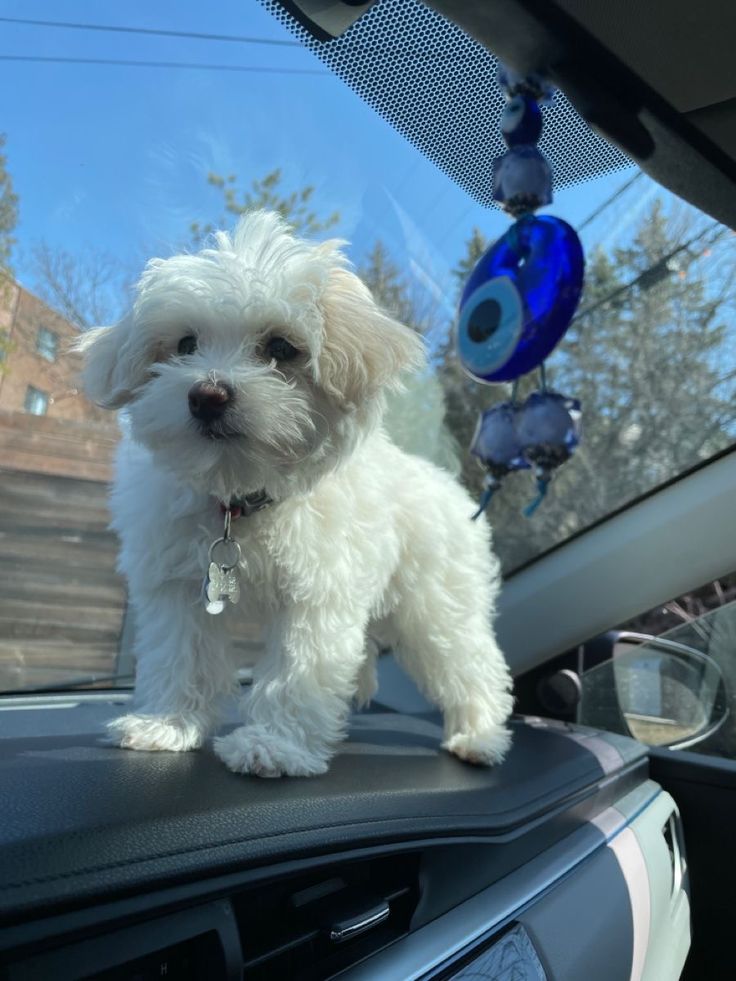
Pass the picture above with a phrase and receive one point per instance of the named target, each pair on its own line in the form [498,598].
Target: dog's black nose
[208,400]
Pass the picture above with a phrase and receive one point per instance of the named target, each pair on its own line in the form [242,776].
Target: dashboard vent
[317,924]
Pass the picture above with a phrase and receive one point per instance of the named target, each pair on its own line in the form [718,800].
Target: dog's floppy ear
[364,349]
[112,369]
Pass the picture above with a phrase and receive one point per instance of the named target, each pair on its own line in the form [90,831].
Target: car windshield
[134,132]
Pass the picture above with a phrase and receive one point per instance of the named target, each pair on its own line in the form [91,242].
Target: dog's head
[256,364]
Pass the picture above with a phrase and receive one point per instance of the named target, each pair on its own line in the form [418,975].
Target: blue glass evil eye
[520,299]
[521,121]
[490,326]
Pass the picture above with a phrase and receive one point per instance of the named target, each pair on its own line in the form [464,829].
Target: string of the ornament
[543,478]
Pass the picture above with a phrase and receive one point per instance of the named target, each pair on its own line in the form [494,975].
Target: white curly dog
[256,371]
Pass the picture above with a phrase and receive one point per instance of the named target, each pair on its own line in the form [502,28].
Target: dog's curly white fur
[362,541]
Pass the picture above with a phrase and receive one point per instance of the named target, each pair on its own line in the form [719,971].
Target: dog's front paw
[483,749]
[175,733]
[257,750]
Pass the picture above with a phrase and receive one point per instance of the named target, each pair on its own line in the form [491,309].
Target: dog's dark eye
[187,345]
[279,349]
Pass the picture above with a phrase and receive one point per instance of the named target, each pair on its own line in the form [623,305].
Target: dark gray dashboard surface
[80,820]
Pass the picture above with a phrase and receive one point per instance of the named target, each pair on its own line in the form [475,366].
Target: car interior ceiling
[664,93]
[673,112]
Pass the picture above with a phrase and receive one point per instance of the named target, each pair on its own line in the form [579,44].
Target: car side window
[668,677]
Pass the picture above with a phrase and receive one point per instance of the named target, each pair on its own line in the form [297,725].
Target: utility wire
[609,201]
[52,59]
[646,273]
[591,217]
[121,29]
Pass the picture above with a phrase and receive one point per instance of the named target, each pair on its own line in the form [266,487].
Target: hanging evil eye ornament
[519,300]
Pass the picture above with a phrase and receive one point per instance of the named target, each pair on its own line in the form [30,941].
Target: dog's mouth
[218,431]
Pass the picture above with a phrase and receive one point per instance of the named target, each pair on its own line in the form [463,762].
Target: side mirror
[655,690]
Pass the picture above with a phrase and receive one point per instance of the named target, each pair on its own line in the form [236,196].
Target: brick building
[62,604]
[39,375]
[46,423]
[61,601]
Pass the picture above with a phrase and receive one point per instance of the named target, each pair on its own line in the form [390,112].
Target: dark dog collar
[243,507]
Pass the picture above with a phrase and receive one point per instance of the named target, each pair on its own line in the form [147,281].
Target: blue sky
[116,158]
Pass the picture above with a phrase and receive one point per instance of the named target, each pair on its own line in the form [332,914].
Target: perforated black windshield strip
[436,86]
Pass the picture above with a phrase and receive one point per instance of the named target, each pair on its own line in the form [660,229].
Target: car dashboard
[566,862]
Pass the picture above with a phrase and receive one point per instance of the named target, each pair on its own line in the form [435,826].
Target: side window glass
[668,678]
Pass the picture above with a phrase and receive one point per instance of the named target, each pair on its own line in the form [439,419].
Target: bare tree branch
[89,289]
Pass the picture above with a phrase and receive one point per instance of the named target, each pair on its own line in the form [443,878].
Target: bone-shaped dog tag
[222,582]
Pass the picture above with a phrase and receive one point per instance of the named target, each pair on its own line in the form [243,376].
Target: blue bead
[522,180]
[520,299]
[496,441]
[521,121]
[548,429]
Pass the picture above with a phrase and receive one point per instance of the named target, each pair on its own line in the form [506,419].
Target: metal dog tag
[222,582]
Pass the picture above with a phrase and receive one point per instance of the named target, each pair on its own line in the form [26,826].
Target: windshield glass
[134,133]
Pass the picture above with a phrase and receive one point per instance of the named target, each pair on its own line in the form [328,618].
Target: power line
[162,64]
[160,32]
[660,264]
[591,217]
[609,201]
